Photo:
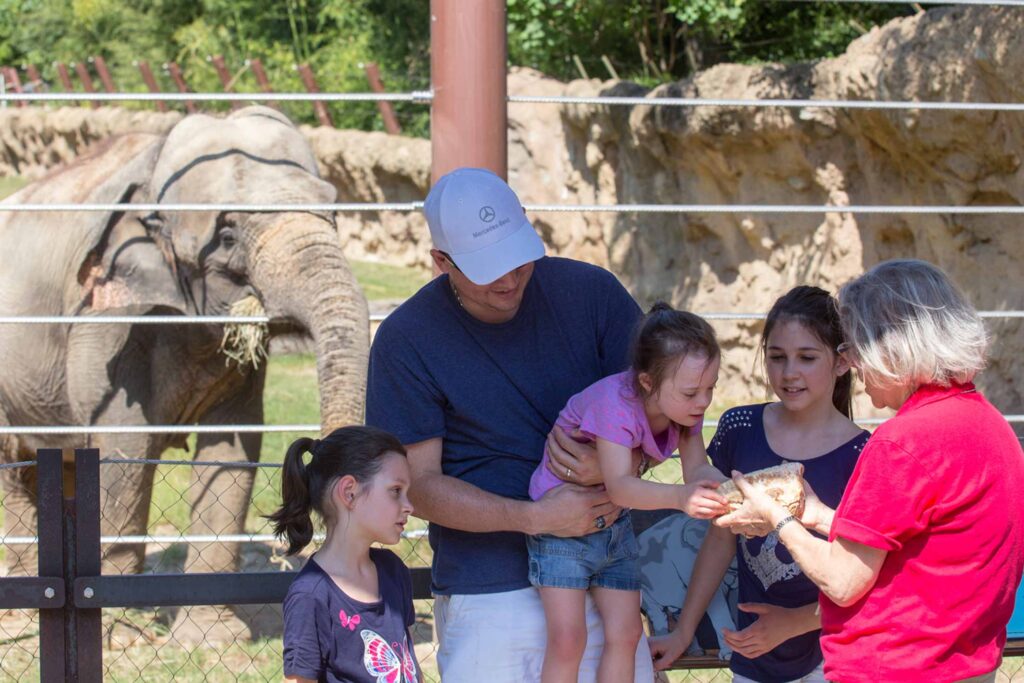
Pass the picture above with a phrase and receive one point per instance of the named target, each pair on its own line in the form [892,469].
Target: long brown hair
[818,311]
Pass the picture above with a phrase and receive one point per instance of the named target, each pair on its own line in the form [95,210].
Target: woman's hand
[667,649]
[774,626]
[816,514]
[758,514]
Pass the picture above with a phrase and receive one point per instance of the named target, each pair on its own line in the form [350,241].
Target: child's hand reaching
[700,499]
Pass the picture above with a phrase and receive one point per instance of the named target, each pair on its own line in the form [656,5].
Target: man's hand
[774,626]
[571,510]
[572,461]
[667,649]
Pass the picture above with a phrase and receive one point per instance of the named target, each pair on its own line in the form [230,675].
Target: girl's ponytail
[293,520]
[354,451]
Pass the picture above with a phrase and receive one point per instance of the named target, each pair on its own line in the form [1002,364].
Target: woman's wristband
[783,522]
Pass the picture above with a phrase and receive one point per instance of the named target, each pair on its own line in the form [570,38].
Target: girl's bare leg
[620,612]
[567,633]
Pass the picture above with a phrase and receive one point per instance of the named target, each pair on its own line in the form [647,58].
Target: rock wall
[747,155]
[583,154]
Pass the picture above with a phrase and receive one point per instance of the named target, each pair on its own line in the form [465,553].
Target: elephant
[146,262]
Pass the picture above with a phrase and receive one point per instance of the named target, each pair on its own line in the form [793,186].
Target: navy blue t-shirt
[767,572]
[492,393]
[333,638]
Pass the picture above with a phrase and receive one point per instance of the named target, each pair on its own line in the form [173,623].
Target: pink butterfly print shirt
[329,636]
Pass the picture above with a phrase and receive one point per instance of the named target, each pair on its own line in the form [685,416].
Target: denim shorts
[606,559]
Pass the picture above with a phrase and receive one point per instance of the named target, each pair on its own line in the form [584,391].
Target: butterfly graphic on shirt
[389,663]
[349,622]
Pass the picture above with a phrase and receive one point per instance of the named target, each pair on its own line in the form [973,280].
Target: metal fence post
[83,524]
[50,502]
[468,74]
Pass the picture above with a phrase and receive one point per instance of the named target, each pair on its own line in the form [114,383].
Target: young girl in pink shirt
[644,413]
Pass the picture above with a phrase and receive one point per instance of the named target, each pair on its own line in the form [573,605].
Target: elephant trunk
[299,268]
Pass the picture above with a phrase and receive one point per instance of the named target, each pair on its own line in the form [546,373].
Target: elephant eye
[228,238]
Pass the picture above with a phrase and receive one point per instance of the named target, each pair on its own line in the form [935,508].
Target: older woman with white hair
[925,551]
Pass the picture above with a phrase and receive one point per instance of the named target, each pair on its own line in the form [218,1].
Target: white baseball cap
[476,218]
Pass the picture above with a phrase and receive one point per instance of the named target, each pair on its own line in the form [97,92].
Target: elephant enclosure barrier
[75,621]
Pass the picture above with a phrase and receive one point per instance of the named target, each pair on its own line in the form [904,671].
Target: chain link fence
[19,628]
[189,529]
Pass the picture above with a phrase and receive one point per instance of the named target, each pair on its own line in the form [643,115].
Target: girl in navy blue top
[778,621]
[348,612]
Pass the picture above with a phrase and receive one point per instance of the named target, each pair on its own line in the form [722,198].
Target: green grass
[383,281]
[11,184]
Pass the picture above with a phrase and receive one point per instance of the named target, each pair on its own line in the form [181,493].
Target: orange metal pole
[468,72]
[11,75]
[224,75]
[83,75]
[322,114]
[387,114]
[104,73]
[150,81]
[179,81]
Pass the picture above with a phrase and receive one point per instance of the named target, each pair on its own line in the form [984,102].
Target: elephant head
[203,262]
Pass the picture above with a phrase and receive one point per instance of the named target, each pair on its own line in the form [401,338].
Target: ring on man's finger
[568,473]
[599,522]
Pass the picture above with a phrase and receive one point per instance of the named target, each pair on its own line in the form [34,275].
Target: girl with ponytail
[347,614]
[778,623]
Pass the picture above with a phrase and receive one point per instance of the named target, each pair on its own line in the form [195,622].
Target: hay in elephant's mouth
[246,343]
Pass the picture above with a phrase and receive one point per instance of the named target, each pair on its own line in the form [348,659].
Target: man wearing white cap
[470,374]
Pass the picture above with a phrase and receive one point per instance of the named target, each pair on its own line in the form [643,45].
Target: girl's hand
[667,649]
[774,626]
[700,499]
[758,513]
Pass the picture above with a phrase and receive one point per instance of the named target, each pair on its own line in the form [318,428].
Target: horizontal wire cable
[133,319]
[160,429]
[425,97]
[790,103]
[168,539]
[422,96]
[263,319]
[976,3]
[20,540]
[246,429]
[776,208]
[553,208]
[223,538]
[16,465]
[186,207]
[191,463]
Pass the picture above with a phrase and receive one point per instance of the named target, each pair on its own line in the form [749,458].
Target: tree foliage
[650,41]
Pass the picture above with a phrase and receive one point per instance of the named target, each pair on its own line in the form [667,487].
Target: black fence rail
[66,615]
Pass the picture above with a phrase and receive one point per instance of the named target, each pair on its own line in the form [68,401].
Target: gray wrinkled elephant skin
[170,262]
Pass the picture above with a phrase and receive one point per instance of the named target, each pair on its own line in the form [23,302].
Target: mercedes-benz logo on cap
[487,214]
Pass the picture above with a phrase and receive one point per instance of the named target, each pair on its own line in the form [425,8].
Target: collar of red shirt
[930,393]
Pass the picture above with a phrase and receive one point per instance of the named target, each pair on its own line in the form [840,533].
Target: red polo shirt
[939,487]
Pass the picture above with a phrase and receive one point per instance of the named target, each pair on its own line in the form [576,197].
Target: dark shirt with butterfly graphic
[330,637]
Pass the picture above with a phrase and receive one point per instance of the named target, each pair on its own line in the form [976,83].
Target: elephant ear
[126,267]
